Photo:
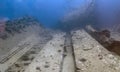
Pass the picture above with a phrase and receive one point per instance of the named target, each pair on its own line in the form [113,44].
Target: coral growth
[17,25]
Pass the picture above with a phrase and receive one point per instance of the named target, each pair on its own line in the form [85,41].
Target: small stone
[77,68]
[100,57]
[38,68]
[17,65]
[25,58]
[32,52]
[26,64]
[83,60]
[46,62]
[46,66]
[59,50]
[64,55]
[61,45]
[86,48]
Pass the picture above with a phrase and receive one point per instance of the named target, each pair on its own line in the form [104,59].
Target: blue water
[108,12]
[49,12]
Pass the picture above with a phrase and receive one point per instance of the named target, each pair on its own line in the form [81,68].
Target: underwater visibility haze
[59,35]
[50,12]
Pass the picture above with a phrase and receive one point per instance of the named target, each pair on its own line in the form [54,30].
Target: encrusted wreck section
[106,38]
[90,56]
[18,25]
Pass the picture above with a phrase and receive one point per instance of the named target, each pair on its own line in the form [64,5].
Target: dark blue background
[49,12]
